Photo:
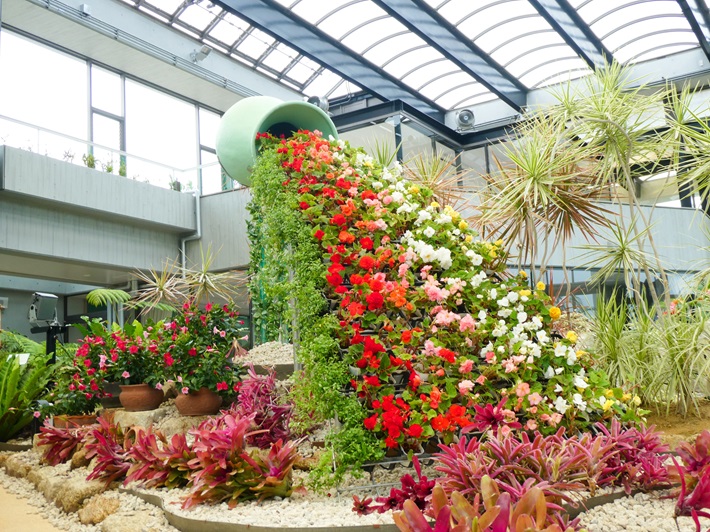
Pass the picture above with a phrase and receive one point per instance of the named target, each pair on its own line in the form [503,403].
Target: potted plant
[200,343]
[74,398]
[127,356]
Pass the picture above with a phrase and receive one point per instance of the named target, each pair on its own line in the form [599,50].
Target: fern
[107,296]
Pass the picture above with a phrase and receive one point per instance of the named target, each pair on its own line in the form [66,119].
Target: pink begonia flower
[387,200]
[402,271]
[465,387]
[531,424]
[466,366]
[440,372]
[532,410]
[522,389]
[467,324]
[468,341]
[534,398]
[509,365]
[430,349]
[185,390]
[445,317]
[125,375]
[158,386]
[481,379]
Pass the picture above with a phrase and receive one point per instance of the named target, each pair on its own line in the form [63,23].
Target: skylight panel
[229,29]
[199,16]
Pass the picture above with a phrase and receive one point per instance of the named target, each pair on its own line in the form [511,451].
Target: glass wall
[69,108]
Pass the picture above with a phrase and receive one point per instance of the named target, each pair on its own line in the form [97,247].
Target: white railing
[206,178]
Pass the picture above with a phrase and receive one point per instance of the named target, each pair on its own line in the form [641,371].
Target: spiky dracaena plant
[159,462]
[105,441]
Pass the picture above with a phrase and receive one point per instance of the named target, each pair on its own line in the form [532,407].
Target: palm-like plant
[546,193]
[441,175]
[202,283]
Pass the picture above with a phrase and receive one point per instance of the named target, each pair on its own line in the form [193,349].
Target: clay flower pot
[203,402]
[139,397]
[69,422]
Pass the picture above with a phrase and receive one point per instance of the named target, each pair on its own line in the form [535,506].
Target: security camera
[319,101]
[199,55]
[465,119]
[43,308]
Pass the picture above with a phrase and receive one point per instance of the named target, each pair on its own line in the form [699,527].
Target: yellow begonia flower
[463,225]
[626,397]
[636,400]
[498,243]
[525,293]
[608,404]
[555,313]
[493,254]
[571,336]
[522,274]
[435,204]
[540,285]
[414,189]
[609,393]
[468,239]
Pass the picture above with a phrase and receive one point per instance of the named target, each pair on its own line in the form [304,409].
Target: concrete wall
[224,225]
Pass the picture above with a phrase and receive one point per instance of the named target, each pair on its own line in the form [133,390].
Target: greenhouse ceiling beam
[286,27]
[565,20]
[427,23]
[697,14]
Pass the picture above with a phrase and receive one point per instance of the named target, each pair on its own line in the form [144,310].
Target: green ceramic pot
[236,137]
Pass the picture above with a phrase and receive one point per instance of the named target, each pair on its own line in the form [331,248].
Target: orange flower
[346,238]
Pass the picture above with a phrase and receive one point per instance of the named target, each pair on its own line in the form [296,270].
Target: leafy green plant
[89,160]
[21,385]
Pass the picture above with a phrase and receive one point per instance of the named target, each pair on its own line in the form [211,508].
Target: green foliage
[107,296]
[89,160]
[20,385]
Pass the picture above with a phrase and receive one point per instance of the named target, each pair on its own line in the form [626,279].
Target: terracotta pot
[203,402]
[68,422]
[113,401]
[139,397]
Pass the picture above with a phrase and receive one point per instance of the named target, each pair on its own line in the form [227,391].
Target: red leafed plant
[222,470]
[694,477]
[158,462]
[416,491]
[105,442]
[258,397]
[60,443]
[499,513]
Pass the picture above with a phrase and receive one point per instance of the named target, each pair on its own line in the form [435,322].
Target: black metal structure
[698,16]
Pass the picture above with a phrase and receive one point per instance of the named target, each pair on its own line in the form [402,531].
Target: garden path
[18,516]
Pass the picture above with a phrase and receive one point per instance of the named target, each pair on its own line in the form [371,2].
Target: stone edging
[14,447]
[186,524]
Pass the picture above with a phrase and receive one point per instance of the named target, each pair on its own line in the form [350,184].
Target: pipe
[194,236]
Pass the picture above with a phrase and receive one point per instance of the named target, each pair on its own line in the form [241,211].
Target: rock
[128,523]
[3,458]
[179,425]
[47,482]
[76,491]
[140,419]
[309,462]
[79,458]
[17,466]
[98,508]
[35,441]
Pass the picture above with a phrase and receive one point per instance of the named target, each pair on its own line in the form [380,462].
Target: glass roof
[445,54]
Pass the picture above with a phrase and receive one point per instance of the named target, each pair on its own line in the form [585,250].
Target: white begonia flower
[399,185]
[377,185]
[537,322]
[504,312]
[536,351]
[424,215]
[482,315]
[529,360]
[503,302]
[560,349]
[559,389]
[513,297]
[579,401]
[542,337]
[500,349]
[549,372]
[571,356]
[499,329]
[561,405]
[405,207]
[493,293]
[443,255]
[579,382]
[443,219]
[523,349]
[407,235]
[559,370]
[602,400]
[524,299]
[522,316]
[397,196]
[429,232]
[456,231]
[476,259]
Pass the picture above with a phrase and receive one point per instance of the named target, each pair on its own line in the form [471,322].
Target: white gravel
[644,512]
[269,354]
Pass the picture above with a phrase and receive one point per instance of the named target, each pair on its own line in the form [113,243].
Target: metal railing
[205,179]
